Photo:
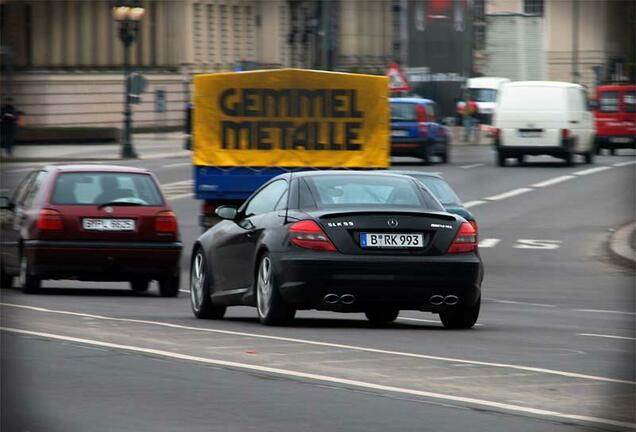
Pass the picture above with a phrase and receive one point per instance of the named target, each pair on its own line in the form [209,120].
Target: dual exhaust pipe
[333,299]
[437,300]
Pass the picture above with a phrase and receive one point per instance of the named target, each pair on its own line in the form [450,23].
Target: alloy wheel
[197,278]
[264,287]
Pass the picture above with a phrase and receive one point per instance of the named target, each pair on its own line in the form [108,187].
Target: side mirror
[5,203]
[226,212]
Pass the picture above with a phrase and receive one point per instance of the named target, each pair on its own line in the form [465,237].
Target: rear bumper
[557,151]
[415,146]
[406,282]
[102,261]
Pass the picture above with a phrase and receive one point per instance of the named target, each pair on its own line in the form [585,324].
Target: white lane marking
[180,196]
[429,321]
[329,344]
[620,164]
[509,194]
[605,311]
[552,181]
[180,164]
[475,203]
[473,165]
[178,190]
[537,244]
[326,378]
[606,336]
[489,242]
[521,303]
[184,291]
[592,170]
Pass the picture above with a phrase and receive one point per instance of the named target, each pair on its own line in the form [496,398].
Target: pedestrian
[9,126]
[470,120]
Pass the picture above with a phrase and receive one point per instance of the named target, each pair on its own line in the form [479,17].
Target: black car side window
[34,187]
[266,199]
[23,187]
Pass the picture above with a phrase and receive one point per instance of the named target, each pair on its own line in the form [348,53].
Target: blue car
[415,130]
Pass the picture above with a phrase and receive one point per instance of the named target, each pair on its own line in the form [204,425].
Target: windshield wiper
[119,203]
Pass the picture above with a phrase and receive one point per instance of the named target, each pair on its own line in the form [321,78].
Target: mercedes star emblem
[392,223]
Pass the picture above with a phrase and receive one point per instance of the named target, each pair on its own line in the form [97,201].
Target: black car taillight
[307,234]
[465,240]
[166,222]
[50,220]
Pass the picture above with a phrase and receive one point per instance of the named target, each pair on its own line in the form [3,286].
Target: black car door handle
[574,121]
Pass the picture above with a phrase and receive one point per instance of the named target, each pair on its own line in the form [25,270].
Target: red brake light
[496,134]
[208,208]
[465,240]
[422,118]
[307,234]
[565,134]
[474,225]
[50,220]
[166,222]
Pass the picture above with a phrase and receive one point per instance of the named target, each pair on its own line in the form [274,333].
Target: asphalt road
[554,349]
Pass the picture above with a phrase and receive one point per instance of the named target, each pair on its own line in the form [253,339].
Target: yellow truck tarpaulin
[291,118]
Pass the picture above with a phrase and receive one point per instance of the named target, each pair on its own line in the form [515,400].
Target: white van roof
[486,82]
[559,84]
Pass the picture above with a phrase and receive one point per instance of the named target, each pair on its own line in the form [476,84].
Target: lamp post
[128,14]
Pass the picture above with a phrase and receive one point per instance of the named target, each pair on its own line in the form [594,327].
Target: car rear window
[629,100]
[440,189]
[99,188]
[483,94]
[608,102]
[403,112]
[360,190]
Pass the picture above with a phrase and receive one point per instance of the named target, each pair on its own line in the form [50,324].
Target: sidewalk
[457,136]
[622,245]
[147,146]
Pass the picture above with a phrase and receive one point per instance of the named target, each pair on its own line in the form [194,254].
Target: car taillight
[496,134]
[166,222]
[474,225]
[422,118]
[307,234]
[465,240]
[50,220]
[208,208]
[565,134]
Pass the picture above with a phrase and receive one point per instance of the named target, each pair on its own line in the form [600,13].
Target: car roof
[411,100]
[560,84]
[96,168]
[321,173]
[416,173]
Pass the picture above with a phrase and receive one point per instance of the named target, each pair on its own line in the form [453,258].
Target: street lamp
[128,14]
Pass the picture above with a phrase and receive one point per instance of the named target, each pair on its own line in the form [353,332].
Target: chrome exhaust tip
[451,300]
[331,298]
[347,299]
[436,300]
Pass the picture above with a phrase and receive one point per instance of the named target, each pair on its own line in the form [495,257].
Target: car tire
[139,285]
[382,316]
[458,317]
[270,306]
[569,159]
[169,286]
[589,157]
[200,300]
[6,279]
[426,154]
[612,151]
[29,283]
[501,159]
[445,156]
[520,159]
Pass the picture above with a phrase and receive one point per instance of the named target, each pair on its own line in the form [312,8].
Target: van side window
[629,101]
[608,101]
[430,112]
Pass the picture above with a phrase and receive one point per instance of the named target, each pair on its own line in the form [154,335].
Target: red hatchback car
[93,223]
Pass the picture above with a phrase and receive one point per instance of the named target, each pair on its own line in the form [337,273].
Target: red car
[615,116]
[93,223]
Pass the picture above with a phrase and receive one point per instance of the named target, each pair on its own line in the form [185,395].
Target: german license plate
[621,140]
[399,133]
[391,240]
[530,134]
[108,224]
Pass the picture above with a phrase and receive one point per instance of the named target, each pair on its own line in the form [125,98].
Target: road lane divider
[328,344]
[475,203]
[472,165]
[509,194]
[329,379]
[488,242]
[622,164]
[591,170]
[606,336]
[552,181]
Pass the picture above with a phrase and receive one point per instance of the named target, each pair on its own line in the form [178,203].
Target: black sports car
[343,241]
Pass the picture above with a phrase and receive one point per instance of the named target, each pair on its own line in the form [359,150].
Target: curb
[620,247]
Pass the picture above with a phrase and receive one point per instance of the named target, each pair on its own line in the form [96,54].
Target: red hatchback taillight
[565,134]
[465,240]
[166,222]
[307,234]
[50,220]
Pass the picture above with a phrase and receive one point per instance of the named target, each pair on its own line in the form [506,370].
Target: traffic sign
[137,85]
[397,80]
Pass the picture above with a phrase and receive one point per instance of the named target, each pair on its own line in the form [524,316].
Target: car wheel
[445,156]
[458,317]
[139,285]
[501,159]
[569,159]
[169,286]
[426,154]
[6,280]
[520,159]
[200,300]
[382,316]
[589,157]
[29,283]
[272,310]
[612,151]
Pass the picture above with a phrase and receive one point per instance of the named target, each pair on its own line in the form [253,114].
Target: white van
[543,118]
[483,91]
